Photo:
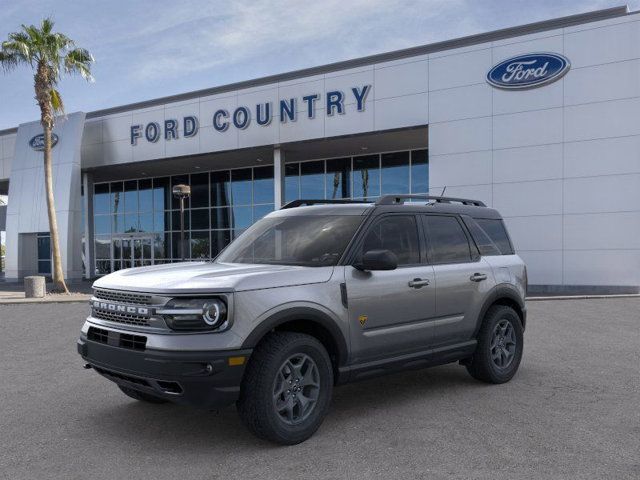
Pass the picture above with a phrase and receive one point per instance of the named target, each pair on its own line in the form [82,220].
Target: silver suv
[317,294]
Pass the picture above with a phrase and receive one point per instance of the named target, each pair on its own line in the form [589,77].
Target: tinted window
[484,243]
[397,234]
[447,240]
[494,228]
[313,240]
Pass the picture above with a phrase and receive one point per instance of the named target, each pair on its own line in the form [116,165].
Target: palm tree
[48,54]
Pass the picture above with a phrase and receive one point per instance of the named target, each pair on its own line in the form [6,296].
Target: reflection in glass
[161,221]
[145,195]
[220,189]
[242,217]
[200,219]
[160,245]
[338,179]
[145,223]
[312,180]
[199,190]
[219,240]
[101,198]
[116,197]
[102,224]
[292,182]
[395,172]
[118,223]
[161,194]
[200,245]
[131,196]
[241,186]
[131,223]
[220,218]
[102,247]
[260,211]
[420,171]
[366,176]
[263,185]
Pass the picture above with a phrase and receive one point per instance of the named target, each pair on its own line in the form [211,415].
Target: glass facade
[137,222]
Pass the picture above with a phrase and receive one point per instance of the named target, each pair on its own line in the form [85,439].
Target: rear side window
[447,241]
[397,233]
[496,231]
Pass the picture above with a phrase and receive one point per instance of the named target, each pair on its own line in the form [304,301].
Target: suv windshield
[311,240]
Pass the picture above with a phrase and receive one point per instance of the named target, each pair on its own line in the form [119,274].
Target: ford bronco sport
[314,295]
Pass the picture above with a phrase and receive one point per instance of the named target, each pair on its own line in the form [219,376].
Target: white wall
[561,162]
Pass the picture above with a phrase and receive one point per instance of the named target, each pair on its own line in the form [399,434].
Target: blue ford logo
[528,71]
[37,142]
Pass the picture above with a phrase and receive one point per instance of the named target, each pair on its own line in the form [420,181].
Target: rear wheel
[500,345]
[286,390]
[141,396]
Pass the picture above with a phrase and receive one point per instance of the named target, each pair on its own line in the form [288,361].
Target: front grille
[122,297]
[122,340]
[120,317]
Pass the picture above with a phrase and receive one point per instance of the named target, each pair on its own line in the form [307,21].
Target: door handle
[478,277]
[418,283]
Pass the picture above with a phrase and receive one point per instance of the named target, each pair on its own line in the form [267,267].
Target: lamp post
[181,192]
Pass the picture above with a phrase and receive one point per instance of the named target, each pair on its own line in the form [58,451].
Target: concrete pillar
[278,177]
[87,186]
[34,287]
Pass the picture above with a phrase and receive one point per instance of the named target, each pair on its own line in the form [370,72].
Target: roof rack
[399,200]
[301,202]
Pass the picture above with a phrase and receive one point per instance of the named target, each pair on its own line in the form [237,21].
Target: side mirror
[378,260]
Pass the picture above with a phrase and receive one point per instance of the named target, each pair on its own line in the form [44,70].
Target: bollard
[34,287]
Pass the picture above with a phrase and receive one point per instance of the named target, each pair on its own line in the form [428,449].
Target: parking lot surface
[572,411]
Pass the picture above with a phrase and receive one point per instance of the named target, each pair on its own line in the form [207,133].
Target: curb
[581,297]
[21,301]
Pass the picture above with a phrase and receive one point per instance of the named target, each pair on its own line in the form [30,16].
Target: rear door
[462,278]
[389,311]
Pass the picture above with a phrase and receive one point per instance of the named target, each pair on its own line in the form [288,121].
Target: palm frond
[79,60]
[56,101]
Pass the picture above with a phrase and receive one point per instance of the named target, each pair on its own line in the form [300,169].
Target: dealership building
[541,121]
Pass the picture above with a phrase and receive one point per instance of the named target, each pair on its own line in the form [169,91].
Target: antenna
[443,190]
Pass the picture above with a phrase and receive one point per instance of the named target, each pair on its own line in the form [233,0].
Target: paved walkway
[11,293]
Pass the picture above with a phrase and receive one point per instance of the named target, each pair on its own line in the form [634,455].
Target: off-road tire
[141,396]
[482,366]
[257,401]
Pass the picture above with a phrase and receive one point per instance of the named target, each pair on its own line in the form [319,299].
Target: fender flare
[300,313]
[497,293]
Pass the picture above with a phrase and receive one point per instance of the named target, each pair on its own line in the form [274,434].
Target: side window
[397,233]
[484,243]
[495,230]
[447,241]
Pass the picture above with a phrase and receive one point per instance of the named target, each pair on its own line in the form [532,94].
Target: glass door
[132,251]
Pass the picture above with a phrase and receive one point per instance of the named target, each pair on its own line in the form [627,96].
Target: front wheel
[286,390]
[500,344]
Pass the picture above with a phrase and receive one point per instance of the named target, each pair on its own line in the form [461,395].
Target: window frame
[361,234]
[474,253]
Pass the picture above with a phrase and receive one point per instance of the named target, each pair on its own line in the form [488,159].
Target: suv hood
[208,277]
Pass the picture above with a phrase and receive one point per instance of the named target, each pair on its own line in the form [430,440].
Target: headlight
[195,314]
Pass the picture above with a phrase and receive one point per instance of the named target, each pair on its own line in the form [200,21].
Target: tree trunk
[58,277]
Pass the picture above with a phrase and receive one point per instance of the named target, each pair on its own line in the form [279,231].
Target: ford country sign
[528,71]
[37,142]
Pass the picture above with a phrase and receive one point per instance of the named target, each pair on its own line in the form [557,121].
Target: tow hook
[87,366]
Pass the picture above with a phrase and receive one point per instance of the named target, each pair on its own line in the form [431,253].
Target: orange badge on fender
[362,319]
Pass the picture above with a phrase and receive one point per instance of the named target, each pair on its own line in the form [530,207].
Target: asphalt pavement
[572,411]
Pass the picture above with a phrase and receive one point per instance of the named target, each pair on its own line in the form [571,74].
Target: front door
[389,311]
[132,251]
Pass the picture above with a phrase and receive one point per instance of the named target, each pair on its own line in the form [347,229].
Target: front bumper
[202,379]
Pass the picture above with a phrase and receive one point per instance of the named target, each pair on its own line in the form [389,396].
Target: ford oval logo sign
[528,71]
[37,142]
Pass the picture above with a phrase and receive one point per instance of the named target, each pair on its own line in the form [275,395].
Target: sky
[150,49]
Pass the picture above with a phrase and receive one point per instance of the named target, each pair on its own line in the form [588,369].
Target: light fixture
[364,148]
[259,160]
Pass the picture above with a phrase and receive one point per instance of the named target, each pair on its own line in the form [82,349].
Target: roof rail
[301,202]
[399,199]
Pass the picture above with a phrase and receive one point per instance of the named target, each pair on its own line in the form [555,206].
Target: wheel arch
[503,295]
[305,320]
